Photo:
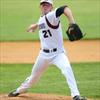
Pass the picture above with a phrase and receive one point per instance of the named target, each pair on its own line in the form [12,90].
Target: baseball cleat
[13,94]
[79,98]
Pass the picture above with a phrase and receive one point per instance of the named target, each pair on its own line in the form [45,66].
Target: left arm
[67,12]
[74,32]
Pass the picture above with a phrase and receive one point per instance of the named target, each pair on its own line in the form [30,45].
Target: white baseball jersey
[50,38]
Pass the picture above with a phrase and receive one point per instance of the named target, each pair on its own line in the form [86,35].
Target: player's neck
[44,14]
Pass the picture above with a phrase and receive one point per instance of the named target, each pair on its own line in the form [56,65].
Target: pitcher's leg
[62,62]
[38,68]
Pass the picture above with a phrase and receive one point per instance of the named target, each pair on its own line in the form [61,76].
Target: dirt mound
[31,96]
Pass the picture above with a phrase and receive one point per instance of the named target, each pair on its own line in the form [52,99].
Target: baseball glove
[74,32]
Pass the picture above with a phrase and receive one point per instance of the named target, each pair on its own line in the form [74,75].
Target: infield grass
[17,15]
[52,81]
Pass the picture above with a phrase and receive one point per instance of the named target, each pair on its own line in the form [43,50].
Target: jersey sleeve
[60,10]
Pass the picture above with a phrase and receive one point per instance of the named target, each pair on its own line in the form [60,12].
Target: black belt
[48,51]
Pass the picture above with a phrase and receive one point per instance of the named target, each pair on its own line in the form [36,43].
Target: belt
[48,51]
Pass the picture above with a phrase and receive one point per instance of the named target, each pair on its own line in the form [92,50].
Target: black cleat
[13,94]
[79,98]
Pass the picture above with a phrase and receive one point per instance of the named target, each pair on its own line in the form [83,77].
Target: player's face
[45,8]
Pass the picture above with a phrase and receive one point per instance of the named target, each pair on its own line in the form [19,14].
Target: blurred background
[17,15]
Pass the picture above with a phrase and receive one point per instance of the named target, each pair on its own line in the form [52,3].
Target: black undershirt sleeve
[60,11]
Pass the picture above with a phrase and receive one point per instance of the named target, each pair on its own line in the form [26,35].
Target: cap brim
[46,2]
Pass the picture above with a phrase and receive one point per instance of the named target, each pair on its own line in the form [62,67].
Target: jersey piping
[50,25]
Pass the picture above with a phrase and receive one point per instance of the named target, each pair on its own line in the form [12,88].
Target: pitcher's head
[46,6]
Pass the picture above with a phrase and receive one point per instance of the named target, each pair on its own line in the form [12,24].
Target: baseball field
[19,49]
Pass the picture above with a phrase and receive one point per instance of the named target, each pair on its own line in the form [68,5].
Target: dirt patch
[36,97]
[26,52]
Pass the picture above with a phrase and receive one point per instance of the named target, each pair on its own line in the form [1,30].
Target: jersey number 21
[46,33]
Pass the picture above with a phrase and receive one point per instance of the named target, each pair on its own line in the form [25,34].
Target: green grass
[52,81]
[17,15]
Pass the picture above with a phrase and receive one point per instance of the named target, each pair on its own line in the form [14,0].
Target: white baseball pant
[44,60]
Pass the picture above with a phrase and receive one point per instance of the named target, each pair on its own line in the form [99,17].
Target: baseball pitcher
[52,50]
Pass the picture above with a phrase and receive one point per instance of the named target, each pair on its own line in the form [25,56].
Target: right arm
[32,27]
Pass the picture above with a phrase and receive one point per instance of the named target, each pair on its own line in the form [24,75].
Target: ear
[51,7]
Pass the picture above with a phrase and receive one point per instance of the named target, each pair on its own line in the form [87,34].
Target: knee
[66,70]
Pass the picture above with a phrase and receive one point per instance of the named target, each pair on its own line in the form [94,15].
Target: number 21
[46,33]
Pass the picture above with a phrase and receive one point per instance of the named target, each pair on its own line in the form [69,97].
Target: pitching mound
[32,96]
